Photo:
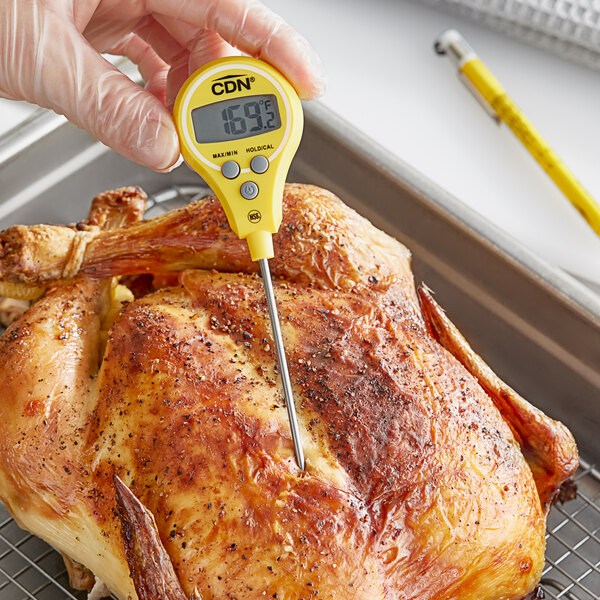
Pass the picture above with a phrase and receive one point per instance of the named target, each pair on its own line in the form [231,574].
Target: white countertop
[385,78]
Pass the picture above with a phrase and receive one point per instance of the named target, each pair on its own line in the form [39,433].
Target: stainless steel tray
[536,326]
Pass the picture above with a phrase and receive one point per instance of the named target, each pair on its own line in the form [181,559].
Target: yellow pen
[493,97]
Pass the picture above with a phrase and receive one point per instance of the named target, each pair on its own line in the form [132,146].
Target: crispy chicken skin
[148,439]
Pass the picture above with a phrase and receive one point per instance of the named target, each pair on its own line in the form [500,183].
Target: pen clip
[488,109]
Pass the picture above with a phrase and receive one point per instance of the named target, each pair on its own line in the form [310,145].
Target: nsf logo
[254,216]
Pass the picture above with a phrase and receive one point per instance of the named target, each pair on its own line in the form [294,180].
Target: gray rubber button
[230,169]
[259,164]
[249,190]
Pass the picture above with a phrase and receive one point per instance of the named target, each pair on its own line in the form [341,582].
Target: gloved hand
[50,55]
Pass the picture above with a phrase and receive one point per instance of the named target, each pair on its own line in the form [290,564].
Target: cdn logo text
[230,84]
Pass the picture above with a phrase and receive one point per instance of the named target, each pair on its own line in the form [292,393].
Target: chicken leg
[321,242]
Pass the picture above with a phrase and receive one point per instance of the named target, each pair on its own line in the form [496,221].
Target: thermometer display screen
[236,119]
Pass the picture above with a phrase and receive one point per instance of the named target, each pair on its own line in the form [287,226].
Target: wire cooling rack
[174,196]
[573,542]
[32,570]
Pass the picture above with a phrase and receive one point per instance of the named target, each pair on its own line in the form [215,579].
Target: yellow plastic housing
[238,78]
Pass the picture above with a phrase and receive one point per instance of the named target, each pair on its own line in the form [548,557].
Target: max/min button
[230,169]
[249,190]
[259,164]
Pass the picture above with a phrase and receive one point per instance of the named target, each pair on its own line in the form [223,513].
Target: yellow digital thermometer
[239,123]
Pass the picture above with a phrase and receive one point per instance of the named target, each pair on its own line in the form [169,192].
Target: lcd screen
[236,119]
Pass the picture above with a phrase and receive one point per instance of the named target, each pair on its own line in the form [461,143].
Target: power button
[249,190]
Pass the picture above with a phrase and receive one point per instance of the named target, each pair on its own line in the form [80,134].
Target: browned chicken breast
[147,438]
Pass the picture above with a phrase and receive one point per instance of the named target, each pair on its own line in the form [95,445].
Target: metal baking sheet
[536,326]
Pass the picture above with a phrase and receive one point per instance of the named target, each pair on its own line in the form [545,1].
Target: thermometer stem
[283,368]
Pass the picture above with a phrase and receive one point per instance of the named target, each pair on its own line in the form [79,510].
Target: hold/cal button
[249,190]
[259,164]
[230,169]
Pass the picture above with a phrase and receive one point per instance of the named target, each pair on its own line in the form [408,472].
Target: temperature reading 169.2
[236,119]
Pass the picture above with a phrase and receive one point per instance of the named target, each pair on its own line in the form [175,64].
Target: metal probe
[283,368]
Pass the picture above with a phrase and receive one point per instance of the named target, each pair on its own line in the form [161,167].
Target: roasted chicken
[143,430]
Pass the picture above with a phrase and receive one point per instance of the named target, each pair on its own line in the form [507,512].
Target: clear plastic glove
[50,55]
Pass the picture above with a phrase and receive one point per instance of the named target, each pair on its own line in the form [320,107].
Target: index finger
[256,30]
